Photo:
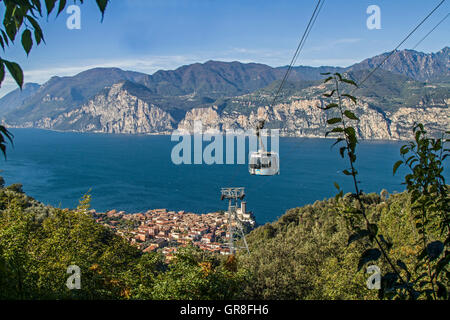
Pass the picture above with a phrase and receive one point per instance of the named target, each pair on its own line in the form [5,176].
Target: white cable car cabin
[262,162]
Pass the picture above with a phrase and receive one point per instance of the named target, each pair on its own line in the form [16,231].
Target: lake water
[135,173]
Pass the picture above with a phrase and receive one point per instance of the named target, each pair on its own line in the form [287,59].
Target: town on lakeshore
[165,231]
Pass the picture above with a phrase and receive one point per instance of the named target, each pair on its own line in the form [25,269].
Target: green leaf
[358,235]
[434,249]
[334,120]
[368,255]
[38,34]
[349,82]
[335,130]
[350,132]
[5,37]
[350,115]
[329,94]
[327,79]
[404,150]
[339,195]
[337,186]
[27,42]
[15,71]
[2,72]
[11,30]
[396,166]
[102,6]
[7,134]
[330,106]
[346,172]
[350,97]
[50,5]
[402,265]
[373,229]
[37,5]
[388,281]
[62,5]
[409,159]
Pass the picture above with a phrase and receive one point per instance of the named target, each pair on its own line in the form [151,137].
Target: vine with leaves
[394,284]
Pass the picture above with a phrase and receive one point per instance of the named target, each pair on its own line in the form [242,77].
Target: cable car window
[266,163]
[255,162]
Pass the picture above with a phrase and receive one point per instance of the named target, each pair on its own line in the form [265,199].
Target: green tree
[430,208]
[197,275]
[16,232]
[36,252]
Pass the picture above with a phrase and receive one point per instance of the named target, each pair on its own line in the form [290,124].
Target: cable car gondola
[262,162]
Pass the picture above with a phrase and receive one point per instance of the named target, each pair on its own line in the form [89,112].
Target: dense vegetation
[38,243]
[303,255]
[426,186]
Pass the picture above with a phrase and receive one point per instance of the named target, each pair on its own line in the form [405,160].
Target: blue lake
[135,173]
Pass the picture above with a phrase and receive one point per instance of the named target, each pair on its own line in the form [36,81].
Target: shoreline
[168,134]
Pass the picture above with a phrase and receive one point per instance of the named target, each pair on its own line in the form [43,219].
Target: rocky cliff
[115,111]
[304,118]
[410,86]
[118,110]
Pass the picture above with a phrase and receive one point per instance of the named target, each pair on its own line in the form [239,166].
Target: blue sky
[148,35]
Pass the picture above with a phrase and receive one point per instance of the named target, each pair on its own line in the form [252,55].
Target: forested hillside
[38,243]
[303,255]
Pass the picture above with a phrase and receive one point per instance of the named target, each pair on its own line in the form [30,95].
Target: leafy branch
[430,204]
[347,141]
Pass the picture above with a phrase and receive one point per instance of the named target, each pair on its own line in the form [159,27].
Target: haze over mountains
[410,86]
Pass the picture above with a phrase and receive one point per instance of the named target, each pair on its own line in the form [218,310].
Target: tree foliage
[306,254]
[430,203]
[38,243]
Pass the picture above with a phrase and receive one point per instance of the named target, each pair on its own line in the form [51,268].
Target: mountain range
[410,86]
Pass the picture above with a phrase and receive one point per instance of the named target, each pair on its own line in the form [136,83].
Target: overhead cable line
[300,46]
[305,35]
[311,22]
[431,31]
